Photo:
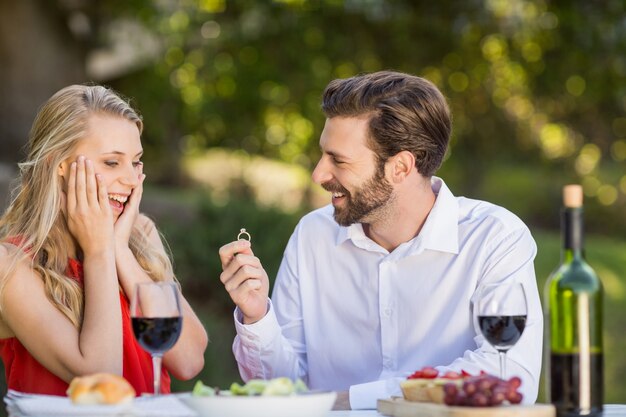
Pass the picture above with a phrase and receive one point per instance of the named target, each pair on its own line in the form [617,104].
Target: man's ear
[402,164]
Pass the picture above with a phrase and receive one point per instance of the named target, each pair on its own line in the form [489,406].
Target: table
[615,410]
[610,410]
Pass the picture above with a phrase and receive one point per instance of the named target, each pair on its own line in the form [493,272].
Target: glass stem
[156,368]
[502,355]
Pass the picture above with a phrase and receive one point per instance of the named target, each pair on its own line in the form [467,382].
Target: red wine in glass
[502,332]
[157,335]
[501,311]
[157,321]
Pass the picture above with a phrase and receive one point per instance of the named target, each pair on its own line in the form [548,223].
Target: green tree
[536,87]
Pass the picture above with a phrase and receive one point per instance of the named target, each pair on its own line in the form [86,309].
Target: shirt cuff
[365,396]
[263,333]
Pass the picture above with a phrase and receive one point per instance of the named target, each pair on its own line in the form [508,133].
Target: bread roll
[100,389]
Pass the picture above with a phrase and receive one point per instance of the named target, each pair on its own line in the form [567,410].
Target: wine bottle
[574,299]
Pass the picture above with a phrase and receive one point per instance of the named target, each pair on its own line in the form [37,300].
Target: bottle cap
[573,196]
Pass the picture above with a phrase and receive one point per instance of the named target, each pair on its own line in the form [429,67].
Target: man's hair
[405,112]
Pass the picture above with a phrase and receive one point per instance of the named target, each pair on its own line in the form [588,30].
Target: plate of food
[462,389]
[279,397]
[427,392]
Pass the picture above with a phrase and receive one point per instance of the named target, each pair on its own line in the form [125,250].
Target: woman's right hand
[245,280]
[88,212]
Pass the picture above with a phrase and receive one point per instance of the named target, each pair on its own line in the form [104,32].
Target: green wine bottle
[574,299]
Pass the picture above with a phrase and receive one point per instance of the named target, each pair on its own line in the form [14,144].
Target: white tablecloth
[354,413]
[610,410]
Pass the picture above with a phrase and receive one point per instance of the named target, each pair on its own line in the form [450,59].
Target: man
[383,281]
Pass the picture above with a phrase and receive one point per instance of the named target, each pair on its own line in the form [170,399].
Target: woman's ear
[62,169]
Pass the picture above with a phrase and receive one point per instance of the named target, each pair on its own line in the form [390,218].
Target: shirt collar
[440,231]
[356,233]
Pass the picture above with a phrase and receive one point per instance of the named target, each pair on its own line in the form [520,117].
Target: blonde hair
[34,221]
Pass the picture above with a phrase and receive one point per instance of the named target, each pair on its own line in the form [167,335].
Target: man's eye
[111,163]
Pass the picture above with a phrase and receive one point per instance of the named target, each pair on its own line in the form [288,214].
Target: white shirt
[347,314]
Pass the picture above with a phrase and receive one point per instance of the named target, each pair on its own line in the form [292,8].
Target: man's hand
[342,402]
[245,280]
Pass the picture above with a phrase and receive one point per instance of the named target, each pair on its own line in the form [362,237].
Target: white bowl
[302,405]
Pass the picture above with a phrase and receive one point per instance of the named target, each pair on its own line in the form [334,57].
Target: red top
[24,373]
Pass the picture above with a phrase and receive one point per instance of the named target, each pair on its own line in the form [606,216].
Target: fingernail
[244,243]
[81,158]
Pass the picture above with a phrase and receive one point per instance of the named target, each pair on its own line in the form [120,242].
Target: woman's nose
[131,176]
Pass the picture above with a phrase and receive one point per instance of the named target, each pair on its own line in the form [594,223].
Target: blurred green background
[230,95]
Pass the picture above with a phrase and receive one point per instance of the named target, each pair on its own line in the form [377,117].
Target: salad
[276,386]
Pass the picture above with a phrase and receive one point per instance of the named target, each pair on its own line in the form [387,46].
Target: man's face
[349,169]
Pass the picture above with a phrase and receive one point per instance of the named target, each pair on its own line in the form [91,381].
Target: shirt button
[388,312]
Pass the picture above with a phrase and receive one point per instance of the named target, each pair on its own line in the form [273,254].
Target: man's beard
[366,203]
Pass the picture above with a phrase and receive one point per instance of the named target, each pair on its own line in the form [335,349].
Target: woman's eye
[137,164]
[111,163]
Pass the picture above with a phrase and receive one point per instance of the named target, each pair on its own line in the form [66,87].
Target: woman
[73,247]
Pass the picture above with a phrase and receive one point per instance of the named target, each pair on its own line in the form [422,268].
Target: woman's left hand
[124,224]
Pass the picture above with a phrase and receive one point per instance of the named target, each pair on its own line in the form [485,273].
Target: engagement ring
[244,235]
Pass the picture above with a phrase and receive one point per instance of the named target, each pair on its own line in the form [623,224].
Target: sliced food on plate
[461,389]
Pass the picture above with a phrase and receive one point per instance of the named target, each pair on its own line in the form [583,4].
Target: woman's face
[113,144]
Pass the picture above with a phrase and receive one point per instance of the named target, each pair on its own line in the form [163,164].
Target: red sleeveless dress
[24,373]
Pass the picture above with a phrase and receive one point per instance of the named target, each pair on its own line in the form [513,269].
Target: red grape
[485,384]
[461,399]
[517,398]
[479,400]
[470,387]
[483,390]
[450,388]
[498,395]
[515,382]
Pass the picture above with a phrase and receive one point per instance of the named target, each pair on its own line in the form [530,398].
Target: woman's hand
[245,280]
[88,212]
[124,224]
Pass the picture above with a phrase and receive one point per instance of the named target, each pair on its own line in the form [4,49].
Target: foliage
[530,81]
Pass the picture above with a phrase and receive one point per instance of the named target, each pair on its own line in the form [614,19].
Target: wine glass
[157,321]
[502,311]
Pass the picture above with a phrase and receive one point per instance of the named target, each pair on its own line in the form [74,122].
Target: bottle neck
[572,227]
